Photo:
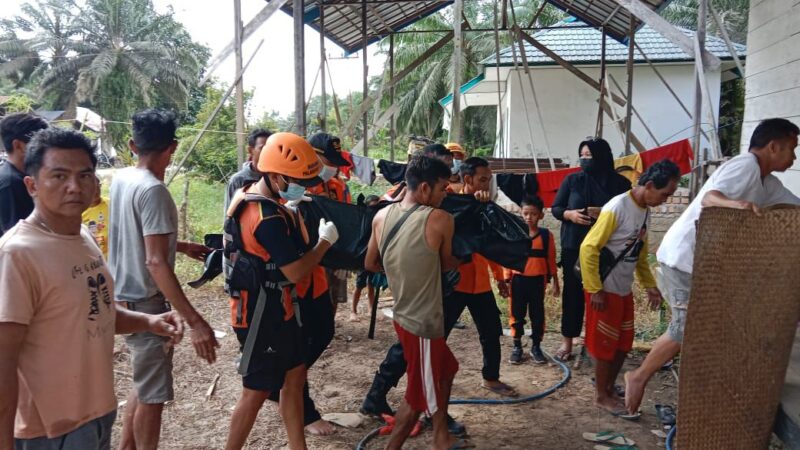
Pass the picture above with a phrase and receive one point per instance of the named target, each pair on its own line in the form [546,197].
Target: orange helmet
[455,147]
[290,155]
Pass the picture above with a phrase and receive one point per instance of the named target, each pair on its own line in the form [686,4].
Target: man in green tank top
[412,242]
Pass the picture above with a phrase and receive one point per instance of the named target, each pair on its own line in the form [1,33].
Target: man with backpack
[274,267]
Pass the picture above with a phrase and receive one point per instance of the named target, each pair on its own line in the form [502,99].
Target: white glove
[293,203]
[328,231]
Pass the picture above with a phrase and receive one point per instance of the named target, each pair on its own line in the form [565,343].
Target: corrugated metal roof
[608,13]
[342,18]
[583,46]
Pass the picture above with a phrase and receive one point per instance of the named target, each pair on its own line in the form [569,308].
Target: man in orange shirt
[528,287]
[474,290]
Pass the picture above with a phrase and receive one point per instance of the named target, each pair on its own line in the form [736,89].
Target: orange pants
[611,330]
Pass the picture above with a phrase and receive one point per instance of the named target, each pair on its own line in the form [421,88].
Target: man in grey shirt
[142,242]
[248,174]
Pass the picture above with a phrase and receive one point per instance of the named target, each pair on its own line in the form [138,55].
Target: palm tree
[125,40]
[418,93]
[733,15]
[53,24]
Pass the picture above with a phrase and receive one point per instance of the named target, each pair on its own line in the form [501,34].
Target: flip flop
[624,414]
[616,447]
[563,355]
[666,414]
[460,444]
[608,437]
[503,390]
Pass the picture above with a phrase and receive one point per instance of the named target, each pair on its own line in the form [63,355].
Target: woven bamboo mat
[742,319]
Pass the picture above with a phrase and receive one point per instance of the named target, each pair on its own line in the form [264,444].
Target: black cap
[330,147]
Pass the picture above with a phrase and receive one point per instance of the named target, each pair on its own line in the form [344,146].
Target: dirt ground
[343,375]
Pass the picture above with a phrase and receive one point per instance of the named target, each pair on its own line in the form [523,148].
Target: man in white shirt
[744,182]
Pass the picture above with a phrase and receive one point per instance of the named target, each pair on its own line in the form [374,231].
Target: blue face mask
[327,172]
[293,192]
[456,166]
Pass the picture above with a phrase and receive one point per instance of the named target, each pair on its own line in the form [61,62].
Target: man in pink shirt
[57,312]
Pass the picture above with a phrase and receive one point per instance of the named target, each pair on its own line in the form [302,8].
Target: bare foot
[353,317]
[610,404]
[320,428]
[634,391]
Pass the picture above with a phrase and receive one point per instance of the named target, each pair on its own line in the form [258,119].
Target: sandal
[608,437]
[563,355]
[666,414]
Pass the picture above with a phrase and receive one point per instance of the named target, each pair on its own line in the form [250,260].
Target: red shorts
[611,330]
[429,362]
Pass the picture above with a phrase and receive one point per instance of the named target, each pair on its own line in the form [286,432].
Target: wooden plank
[636,113]
[773,81]
[709,104]
[213,115]
[237,20]
[726,38]
[322,58]
[458,43]
[567,65]
[629,96]
[779,29]
[370,100]
[674,35]
[299,69]
[256,22]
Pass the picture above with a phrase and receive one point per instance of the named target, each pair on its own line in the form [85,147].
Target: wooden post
[213,115]
[697,112]
[392,122]
[299,69]
[247,31]
[629,100]
[184,209]
[458,41]
[240,141]
[599,127]
[324,117]
[365,91]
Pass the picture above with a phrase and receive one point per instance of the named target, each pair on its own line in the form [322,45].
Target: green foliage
[731,113]
[114,56]
[214,158]
[18,103]
[733,15]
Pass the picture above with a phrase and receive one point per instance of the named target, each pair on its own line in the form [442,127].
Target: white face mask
[327,172]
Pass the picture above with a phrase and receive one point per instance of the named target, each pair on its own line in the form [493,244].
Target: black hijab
[602,170]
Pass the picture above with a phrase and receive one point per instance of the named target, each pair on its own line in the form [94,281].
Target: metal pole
[629,102]
[365,92]
[455,117]
[299,69]
[698,99]
[599,127]
[392,123]
[324,116]
[237,18]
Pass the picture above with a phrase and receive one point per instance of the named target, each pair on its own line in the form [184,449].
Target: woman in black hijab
[577,205]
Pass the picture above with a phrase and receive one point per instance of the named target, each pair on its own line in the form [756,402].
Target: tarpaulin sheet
[483,228]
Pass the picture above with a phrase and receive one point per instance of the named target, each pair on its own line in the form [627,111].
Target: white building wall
[569,108]
[772,82]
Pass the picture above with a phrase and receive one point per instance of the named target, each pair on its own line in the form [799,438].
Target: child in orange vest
[528,287]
